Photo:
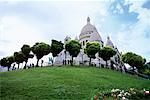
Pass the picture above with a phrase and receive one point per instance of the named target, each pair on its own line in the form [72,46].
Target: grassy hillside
[64,83]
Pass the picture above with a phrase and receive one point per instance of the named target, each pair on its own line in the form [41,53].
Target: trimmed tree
[106,53]
[40,50]
[56,48]
[3,62]
[10,60]
[26,51]
[6,62]
[73,47]
[19,57]
[133,60]
[91,49]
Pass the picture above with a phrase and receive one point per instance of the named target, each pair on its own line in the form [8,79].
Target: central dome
[88,28]
[89,33]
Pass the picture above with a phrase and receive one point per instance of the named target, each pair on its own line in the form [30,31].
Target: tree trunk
[18,65]
[72,61]
[90,62]
[125,68]
[53,62]
[25,66]
[8,68]
[111,65]
[37,63]
[106,63]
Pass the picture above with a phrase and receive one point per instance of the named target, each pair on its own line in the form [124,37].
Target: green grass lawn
[71,83]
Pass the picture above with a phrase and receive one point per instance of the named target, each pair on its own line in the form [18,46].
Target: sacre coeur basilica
[89,33]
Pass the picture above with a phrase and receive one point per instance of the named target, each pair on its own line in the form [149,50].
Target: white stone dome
[88,28]
[89,31]
[109,42]
[95,37]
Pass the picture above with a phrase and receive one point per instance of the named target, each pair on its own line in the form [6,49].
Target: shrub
[117,94]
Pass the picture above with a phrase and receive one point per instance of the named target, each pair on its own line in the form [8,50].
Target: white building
[88,33]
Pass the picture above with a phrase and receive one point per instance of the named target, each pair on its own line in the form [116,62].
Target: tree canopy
[10,60]
[106,53]
[6,62]
[40,49]
[91,49]
[3,62]
[73,47]
[26,51]
[133,60]
[19,57]
[56,47]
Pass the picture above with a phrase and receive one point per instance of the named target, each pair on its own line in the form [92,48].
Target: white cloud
[17,32]
[133,38]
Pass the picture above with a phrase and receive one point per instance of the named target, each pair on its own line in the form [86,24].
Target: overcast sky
[127,22]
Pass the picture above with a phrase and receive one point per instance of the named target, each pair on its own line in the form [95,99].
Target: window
[83,43]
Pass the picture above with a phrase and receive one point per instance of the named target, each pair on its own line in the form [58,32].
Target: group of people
[67,62]
[30,66]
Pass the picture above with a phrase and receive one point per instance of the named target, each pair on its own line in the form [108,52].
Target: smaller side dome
[109,42]
[76,38]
